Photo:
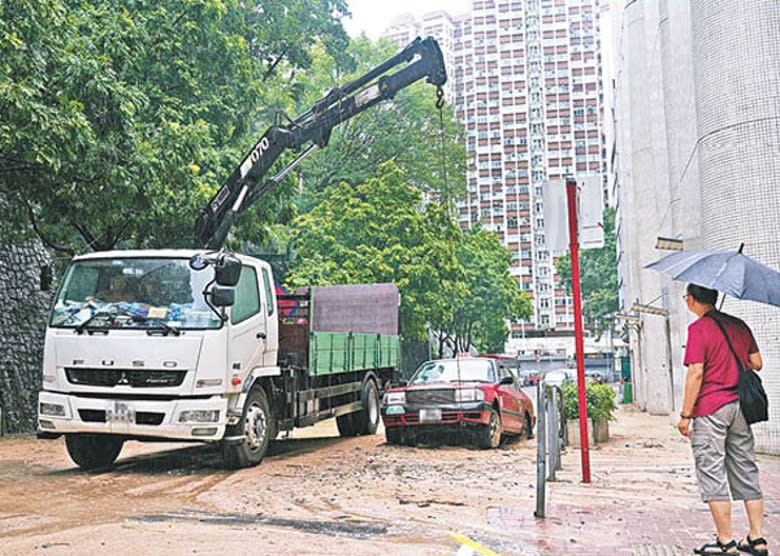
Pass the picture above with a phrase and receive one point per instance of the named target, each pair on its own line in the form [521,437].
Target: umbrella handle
[723,299]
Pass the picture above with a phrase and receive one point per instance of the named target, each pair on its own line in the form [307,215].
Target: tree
[598,277]
[492,296]
[119,119]
[381,232]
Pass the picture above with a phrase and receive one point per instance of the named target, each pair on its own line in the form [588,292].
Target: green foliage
[598,277]
[599,401]
[119,119]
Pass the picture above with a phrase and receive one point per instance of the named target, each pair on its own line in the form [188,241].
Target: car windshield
[133,292]
[454,370]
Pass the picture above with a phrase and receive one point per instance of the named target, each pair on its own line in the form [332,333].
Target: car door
[511,414]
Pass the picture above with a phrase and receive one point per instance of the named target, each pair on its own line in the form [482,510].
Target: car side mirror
[228,270]
[222,297]
[507,380]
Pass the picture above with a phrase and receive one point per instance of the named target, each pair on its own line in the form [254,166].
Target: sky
[373,16]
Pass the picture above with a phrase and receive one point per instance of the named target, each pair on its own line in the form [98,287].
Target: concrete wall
[23,310]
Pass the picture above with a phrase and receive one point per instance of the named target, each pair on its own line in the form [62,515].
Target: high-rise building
[525,78]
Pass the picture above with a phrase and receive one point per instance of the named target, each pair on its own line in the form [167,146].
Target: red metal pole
[571,197]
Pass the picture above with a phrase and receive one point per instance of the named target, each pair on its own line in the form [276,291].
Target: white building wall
[698,151]
[737,80]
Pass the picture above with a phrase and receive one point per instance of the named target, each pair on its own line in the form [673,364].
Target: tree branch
[45,240]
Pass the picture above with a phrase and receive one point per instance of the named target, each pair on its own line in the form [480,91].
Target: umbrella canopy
[731,272]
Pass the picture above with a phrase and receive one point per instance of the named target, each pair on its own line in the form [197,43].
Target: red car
[448,395]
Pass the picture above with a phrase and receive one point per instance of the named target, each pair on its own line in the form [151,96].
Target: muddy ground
[317,493]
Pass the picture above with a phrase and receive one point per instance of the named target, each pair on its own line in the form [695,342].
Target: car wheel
[490,434]
[257,427]
[93,451]
[394,435]
[528,430]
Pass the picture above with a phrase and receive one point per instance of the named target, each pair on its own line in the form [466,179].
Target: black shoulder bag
[752,397]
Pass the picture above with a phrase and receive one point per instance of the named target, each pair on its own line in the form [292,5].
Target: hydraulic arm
[311,131]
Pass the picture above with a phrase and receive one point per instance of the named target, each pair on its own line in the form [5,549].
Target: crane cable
[440,108]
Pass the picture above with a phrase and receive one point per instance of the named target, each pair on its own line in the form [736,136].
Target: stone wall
[23,310]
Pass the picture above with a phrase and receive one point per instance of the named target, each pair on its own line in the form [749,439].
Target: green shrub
[600,401]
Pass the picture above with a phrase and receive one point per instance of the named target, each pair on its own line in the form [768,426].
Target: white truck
[196,345]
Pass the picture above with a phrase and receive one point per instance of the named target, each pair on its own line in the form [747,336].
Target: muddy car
[469,397]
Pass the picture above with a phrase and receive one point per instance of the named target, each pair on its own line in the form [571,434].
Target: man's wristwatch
[684,416]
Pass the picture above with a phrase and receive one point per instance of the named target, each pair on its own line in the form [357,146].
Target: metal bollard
[541,447]
[555,448]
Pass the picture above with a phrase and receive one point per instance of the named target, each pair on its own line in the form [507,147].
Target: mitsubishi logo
[123,379]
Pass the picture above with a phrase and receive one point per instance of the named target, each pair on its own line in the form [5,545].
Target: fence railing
[550,439]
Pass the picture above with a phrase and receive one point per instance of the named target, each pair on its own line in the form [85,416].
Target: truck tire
[93,451]
[489,436]
[256,427]
[366,420]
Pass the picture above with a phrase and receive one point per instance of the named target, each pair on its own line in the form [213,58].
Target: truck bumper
[64,413]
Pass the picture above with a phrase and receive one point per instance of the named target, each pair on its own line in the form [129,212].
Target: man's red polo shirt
[707,345]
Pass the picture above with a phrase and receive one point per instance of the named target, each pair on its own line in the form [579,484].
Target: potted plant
[600,405]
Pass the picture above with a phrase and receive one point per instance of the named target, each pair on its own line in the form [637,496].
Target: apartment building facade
[525,80]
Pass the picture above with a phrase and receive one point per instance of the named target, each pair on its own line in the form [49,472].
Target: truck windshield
[133,293]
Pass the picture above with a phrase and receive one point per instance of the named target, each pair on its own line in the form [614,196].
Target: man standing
[721,439]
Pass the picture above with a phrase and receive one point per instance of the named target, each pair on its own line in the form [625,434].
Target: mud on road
[315,493]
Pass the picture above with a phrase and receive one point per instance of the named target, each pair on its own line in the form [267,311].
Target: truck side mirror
[46,277]
[222,297]
[228,270]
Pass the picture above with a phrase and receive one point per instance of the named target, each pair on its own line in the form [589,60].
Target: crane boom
[310,131]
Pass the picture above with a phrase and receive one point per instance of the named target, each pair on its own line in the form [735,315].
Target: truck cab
[133,347]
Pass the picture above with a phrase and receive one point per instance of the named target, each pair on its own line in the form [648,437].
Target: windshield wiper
[100,314]
[162,324]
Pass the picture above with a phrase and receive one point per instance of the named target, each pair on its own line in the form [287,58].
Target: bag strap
[728,341]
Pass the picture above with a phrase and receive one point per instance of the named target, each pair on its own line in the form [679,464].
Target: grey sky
[373,16]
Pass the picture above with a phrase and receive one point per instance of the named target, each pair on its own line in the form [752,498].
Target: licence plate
[120,412]
[430,415]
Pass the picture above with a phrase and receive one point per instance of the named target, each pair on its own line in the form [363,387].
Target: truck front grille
[120,377]
[141,417]
[424,397]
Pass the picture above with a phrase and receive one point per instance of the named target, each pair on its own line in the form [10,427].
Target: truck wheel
[256,426]
[366,420]
[490,434]
[93,451]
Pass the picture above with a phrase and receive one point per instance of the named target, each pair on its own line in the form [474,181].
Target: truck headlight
[199,416]
[51,409]
[469,395]
[392,398]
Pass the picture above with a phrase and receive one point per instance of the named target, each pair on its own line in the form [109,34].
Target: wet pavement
[317,493]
